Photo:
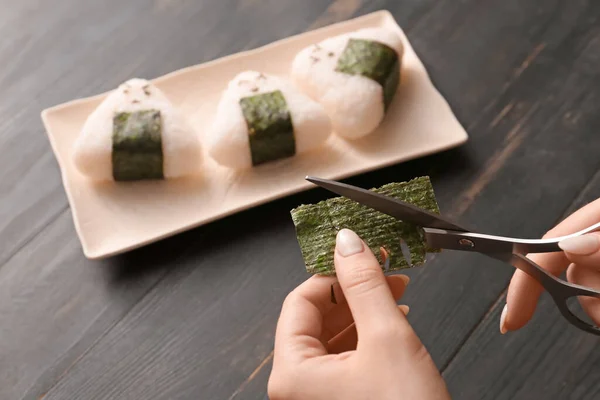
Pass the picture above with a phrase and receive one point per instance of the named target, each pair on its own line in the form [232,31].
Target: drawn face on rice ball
[137,134]
[354,76]
[261,119]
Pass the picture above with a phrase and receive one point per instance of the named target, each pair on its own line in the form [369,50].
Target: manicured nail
[348,243]
[404,308]
[405,279]
[581,245]
[503,329]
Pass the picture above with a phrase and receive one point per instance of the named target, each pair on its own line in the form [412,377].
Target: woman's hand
[349,340]
[581,259]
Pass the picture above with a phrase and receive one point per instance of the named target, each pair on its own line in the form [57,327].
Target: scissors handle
[512,251]
[560,291]
[481,243]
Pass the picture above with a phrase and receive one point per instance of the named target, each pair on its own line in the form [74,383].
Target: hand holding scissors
[442,233]
[580,259]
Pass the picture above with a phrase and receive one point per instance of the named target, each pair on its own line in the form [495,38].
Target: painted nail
[348,243]
[503,329]
[581,245]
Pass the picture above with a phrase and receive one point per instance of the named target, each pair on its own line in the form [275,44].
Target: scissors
[442,233]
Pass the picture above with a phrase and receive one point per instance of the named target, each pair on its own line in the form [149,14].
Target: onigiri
[137,134]
[354,76]
[262,118]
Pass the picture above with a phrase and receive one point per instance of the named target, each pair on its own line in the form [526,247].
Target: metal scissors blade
[396,208]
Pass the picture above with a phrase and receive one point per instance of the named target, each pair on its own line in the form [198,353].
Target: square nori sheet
[318,224]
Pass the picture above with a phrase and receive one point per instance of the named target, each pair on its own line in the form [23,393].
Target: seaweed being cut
[318,224]
[374,60]
[137,146]
[270,129]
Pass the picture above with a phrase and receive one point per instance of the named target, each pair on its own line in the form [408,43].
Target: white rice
[353,102]
[182,153]
[228,141]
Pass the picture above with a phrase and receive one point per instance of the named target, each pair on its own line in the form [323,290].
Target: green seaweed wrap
[375,61]
[270,129]
[137,146]
[318,224]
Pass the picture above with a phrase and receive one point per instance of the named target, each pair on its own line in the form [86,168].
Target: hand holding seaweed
[318,354]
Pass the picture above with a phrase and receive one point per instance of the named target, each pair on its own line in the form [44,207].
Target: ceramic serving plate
[112,218]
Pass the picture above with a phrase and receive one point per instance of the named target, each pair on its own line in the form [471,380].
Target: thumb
[366,290]
[583,250]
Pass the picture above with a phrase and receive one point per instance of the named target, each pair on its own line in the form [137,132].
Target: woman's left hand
[363,347]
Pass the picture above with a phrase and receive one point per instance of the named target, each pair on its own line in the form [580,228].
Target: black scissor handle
[566,312]
[560,291]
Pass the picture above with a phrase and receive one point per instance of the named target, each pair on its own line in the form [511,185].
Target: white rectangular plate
[112,218]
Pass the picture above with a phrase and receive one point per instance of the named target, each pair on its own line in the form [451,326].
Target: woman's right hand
[581,260]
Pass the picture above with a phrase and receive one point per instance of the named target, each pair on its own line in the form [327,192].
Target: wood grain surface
[193,317]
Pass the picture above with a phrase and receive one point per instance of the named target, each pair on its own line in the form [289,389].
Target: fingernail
[348,243]
[404,308]
[503,329]
[405,279]
[581,245]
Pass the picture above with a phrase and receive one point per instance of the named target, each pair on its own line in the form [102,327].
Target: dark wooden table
[193,317]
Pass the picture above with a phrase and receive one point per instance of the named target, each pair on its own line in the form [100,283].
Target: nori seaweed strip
[137,146]
[318,224]
[374,60]
[270,128]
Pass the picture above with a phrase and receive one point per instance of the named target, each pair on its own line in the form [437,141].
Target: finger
[523,294]
[365,288]
[340,317]
[590,278]
[348,338]
[404,308]
[300,323]
[524,291]
[583,250]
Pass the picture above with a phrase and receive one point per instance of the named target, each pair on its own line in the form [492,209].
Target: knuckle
[414,353]
[419,352]
[279,387]
[413,346]
[290,300]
